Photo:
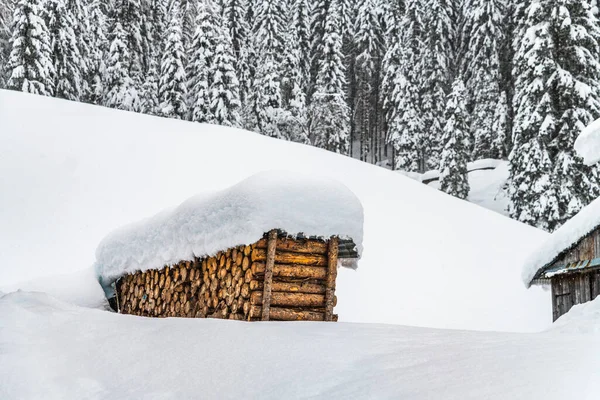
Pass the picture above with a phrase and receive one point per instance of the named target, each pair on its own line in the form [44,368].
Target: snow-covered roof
[587,144]
[241,214]
[562,240]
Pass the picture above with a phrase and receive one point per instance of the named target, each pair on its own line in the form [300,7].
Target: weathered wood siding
[571,289]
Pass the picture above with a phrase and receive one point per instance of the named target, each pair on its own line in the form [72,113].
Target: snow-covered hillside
[72,172]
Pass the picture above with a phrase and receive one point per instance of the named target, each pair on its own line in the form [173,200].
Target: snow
[73,172]
[581,319]
[53,350]
[587,143]
[562,239]
[487,179]
[205,224]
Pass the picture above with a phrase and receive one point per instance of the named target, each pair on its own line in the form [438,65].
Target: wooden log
[291,271]
[270,262]
[246,263]
[332,255]
[287,314]
[292,287]
[289,299]
[291,258]
[297,246]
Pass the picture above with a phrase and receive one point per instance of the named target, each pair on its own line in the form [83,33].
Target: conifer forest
[410,85]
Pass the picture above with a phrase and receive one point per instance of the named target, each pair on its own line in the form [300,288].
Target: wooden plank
[291,271]
[553,285]
[306,246]
[595,284]
[289,299]
[270,257]
[331,276]
[291,287]
[291,258]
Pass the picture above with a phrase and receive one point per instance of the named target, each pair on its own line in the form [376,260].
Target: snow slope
[587,143]
[72,172]
[52,350]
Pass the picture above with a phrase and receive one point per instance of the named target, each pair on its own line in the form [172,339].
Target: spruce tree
[369,43]
[453,163]
[201,58]
[149,102]
[435,63]
[554,101]
[484,19]
[172,91]
[269,45]
[300,26]
[234,15]
[96,68]
[6,15]
[30,64]
[68,73]
[500,142]
[329,112]
[120,90]
[224,89]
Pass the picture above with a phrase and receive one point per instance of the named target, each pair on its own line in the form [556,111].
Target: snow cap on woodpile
[587,144]
[241,214]
[562,240]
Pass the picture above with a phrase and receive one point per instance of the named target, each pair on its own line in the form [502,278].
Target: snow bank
[75,172]
[203,225]
[587,144]
[562,239]
[56,351]
[582,319]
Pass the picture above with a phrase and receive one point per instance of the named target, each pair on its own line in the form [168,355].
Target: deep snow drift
[71,173]
[52,350]
[203,225]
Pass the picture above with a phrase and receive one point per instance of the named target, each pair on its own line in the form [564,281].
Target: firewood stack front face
[277,278]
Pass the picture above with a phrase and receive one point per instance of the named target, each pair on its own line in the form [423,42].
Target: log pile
[277,278]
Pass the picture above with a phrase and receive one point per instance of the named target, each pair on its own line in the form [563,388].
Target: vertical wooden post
[332,255]
[271,245]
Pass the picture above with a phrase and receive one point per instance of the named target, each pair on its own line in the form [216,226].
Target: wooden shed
[280,277]
[574,274]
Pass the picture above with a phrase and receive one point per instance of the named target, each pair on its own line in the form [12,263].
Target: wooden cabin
[280,277]
[574,275]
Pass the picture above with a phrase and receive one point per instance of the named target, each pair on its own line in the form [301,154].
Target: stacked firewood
[231,284]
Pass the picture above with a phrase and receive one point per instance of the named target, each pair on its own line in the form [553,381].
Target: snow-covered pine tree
[84,31]
[132,16]
[500,133]
[453,162]
[120,90]
[402,90]
[149,102]
[268,33]
[481,69]
[200,59]
[329,112]
[234,15]
[68,73]
[300,25]
[172,91]
[6,13]
[293,121]
[30,64]
[369,45]
[96,68]
[555,100]
[224,95]
[435,63]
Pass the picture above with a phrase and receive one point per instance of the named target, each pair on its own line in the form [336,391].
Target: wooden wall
[587,248]
[571,289]
[276,278]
